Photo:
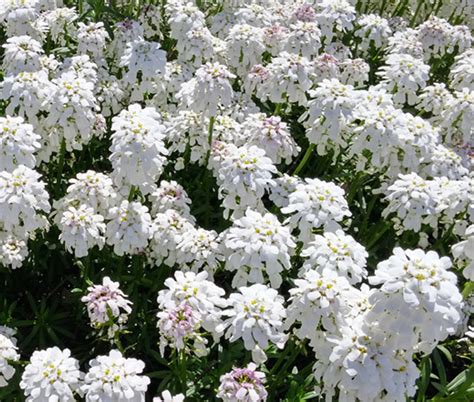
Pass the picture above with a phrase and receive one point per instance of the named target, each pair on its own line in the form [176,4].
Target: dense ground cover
[236,200]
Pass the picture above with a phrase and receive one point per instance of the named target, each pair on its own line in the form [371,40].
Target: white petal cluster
[170,195]
[73,110]
[319,299]
[8,354]
[23,199]
[463,253]
[199,293]
[90,188]
[27,93]
[362,364]
[169,227]
[18,143]
[258,248]
[52,374]
[404,75]
[107,302]
[129,228]
[209,89]
[256,315]
[244,174]
[243,384]
[22,53]
[115,378]
[179,328]
[338,252]
[198,249]
[418,296]
[292,72]
[81,229]
[138,153]
[272,135]
[433,203]
[316,204]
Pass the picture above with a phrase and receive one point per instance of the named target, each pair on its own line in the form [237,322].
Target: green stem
[277,109]
[131,194]
[303,162]
[418,8]
[62,154]
[182,370]
[209,138]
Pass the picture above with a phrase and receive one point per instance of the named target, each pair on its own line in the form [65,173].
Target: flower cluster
[281,190]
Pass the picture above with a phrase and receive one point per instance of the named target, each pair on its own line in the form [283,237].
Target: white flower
[245,47]
[243,175]
[404,75]
[18,143]
[82,67]
[73,110]
[91,39]
[304,38]
[325,67]
[256,315]
[334,15]
[129,228]
[51,375]
[457,117]
[22,198]
[315,204]
[462,71]
[81,229]
[182,17]
[22,53]
[258,247]
[110,94]
[169,226]
[209,89]
[288,80]
[415,202]
[143,57]
[438,36]
[8,354]
[170,195]
[330,106]
[199,249]
[167,397]
[27,93]
[179,327]
[105,303]
[138,150]
[406,41]
[59,23]
[464,252]
[114,378]
[363,364]
[319,299]
[339,252]
[13,250]
[419,298]
[19,17]
[243,384]
[282,188]
[197,46]
[150,18]
[354,72]
[198,293]
[272,135]
[93,189]
[373,30]
[124,32]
